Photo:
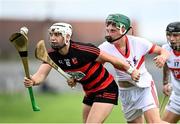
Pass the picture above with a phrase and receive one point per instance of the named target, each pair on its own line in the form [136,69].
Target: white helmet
[63,28]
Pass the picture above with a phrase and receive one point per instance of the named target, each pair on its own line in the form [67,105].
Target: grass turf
[55,108]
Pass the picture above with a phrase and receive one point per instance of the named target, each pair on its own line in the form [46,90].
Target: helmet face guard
[173,30]
[175,45]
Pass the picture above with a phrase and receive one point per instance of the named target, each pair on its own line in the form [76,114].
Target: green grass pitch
[55,108]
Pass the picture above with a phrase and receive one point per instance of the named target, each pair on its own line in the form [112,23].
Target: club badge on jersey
[78,75]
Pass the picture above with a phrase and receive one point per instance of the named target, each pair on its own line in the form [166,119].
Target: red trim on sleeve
[152,49]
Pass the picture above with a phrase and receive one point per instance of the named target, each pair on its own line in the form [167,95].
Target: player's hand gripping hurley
[20,41]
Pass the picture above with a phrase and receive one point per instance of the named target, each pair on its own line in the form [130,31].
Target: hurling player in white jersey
[137,98]
[171,71]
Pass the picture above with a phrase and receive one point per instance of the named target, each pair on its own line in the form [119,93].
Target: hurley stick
[20,41]
[163,104]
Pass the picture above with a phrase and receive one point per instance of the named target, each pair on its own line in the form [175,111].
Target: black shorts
[107,95]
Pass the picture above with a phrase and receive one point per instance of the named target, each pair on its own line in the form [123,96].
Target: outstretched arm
[162,57]
[119,64]
[39,76]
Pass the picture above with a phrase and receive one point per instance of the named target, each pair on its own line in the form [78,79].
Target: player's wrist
[33,82]
[130,70]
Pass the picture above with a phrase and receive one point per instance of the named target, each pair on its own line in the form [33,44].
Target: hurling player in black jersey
[101,91]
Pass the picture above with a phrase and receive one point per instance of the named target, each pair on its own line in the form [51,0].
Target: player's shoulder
[136,38]
[85,47]
[138,41]
[105,44]
[78,44]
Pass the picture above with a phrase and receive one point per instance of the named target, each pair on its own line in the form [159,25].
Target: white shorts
[174,104]
[137,100]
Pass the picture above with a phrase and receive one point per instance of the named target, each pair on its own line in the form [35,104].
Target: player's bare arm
[166,85]
[39,76]
[119,64]
[163,55]
[166,73]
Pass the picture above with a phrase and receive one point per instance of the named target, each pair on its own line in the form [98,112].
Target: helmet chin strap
[58,47]
[177,48]
[110,40]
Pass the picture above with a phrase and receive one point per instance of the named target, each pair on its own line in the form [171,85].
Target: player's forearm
[162,52]
[37,79]
[116,62]
[165,74]
[122,65]
[165,54]
[135,74]
[41,74]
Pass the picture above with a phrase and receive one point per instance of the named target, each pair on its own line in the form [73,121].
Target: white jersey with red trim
[173,64]
[137,48]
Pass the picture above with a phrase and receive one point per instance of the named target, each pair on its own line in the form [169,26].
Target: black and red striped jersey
[82,58]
